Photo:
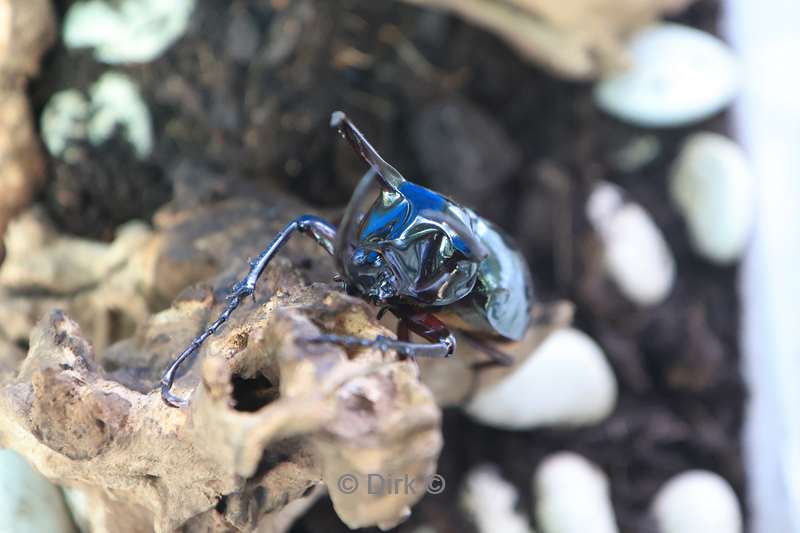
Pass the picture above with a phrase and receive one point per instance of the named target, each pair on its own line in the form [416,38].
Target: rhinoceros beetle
[431,262]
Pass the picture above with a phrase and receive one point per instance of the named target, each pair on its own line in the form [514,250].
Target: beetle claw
[241,290]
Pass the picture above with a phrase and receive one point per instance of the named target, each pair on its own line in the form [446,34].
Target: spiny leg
[497,357]
[427,326]
[403,333]
[321,231]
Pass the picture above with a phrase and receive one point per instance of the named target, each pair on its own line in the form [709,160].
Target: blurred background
[642,153]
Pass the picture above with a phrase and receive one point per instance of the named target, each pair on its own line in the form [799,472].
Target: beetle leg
[403,333]
[442,348]
[498,358]
[442,342]
[321,231]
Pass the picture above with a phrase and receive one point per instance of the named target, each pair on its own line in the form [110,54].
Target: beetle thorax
[406,251]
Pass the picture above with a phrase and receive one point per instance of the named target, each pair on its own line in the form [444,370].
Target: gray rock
[242,39]
[463,149]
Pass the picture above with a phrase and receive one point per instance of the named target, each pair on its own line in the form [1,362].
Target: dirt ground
[247,95]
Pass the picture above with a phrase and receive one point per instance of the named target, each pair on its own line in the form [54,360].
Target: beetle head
[402,243]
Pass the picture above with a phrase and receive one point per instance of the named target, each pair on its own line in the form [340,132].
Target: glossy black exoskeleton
[414,252]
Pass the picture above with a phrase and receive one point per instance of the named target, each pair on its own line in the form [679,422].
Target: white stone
[571,495]
[491,500]
[713,187]
[567,381]
[126,30]
[64,120]
[637,153]
[678,75]
[697,501]
[116,101]
[29,503]
[636,255]
[78,505]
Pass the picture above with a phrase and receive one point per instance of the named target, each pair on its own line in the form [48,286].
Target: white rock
[571,496]
[28,502]
[116,101]
[636,255]
[64,120]
[567,381]
[126,30]
[78,505]
[713,187]
[697,501]
[490,501]
[637,153]
[679,75]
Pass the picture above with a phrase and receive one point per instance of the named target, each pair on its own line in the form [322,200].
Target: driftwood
[27,29]
[272,421]
[576,39]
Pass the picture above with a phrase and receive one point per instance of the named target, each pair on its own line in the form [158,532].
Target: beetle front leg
[321,231]
[442,343]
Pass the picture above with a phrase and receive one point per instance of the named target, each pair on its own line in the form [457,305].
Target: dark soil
[248,93]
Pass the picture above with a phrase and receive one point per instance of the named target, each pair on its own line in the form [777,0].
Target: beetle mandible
[433,263]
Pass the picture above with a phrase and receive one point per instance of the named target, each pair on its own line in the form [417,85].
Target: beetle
[433,263]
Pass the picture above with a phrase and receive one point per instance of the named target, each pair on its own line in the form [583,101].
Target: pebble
[712,186]
[636,255]
[79,508]
[464,150]
[678,76]
[64,120]
[127,30]
[491,501]
[566,382]
[637,153]
[115,101]
[697,501]
[571,495]
[242,38]
[29,502]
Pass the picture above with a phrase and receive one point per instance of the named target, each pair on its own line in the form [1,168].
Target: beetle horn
[389,177]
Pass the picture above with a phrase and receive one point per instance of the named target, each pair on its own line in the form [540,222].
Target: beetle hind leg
[441,343]
[442,348]
[496,357]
